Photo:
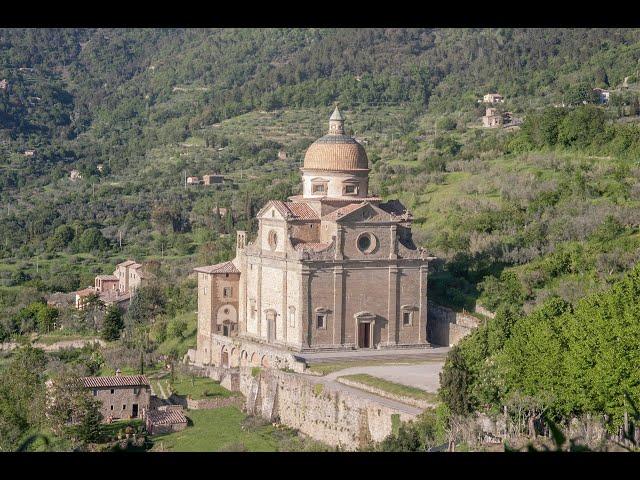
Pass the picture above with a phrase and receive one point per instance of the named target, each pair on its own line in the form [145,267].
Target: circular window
[226,310]
[366,242]
[273,239]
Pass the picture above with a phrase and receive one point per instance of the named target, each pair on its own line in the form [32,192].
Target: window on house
[319,188]
[95,393]
[350,189]
[136,391]
[112,391]
[111,407]
[406,318]
[124,407]
[226,292]
[321,321]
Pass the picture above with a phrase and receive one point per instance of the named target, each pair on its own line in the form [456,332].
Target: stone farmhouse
[332,269]
[493,98]
[117,288]
[492,118]
[122,396]
[603,95]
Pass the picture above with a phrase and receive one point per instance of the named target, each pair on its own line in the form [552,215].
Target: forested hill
[118,86]
[518,215]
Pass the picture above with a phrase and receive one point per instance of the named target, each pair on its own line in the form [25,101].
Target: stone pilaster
[306,318]
[338,305]
[259,299]
[422,313]
[392,312]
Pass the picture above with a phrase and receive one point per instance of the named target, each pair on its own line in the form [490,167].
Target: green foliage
[572,360]
[112,324]
[22,397]
[507,290]
[414,436]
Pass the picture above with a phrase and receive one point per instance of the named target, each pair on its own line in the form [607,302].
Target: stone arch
[224,357]
[244,358]
[255,360]
[234,358]
[227,319]
[264,362]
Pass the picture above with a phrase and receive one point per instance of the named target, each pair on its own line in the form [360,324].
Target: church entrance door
[364,335]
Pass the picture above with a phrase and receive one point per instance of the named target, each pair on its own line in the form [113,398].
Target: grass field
[392,387]
[199,387]
[215,430]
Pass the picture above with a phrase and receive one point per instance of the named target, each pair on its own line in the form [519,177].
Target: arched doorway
[264,362]
[226,320]
[225,358]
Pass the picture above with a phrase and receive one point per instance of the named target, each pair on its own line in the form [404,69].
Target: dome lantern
[336,123]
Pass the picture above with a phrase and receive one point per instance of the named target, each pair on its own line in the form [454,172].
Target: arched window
[292,316]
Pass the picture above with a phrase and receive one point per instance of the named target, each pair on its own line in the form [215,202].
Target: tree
[72,411]
[22,397]
[455,383]
[112,324]
[92,239]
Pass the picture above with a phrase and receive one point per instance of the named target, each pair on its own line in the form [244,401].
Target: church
[332,269]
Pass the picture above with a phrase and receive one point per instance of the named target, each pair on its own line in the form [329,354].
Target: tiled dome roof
[336,151]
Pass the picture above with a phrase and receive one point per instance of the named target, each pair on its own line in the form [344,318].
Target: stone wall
[216,402]
[322,411]
[233,352]
[447,327]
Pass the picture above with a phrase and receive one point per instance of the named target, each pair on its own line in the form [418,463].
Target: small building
[122,396]
[106,283]
[493,98]
[100,167]
[282,155]
[29,153]
[131,276]
[492,118]
[212,179]
[603,95]
[4,84]
[75,175]
[82,297]
[165,420]
[193,181]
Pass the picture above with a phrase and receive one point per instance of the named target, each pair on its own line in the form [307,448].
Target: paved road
[425,376]
[331,384]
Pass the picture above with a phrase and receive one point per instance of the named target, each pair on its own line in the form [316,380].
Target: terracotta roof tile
[166,417]
[295,210]
[314,246]
[116,381]
[224,267]
[85,291]
[341,212]
[107,277]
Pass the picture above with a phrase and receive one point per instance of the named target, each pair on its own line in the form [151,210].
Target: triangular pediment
[271,210]
[366,212]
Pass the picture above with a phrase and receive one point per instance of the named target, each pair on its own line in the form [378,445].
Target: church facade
[331,269]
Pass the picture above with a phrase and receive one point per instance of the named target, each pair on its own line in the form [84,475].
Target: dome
[336,151]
